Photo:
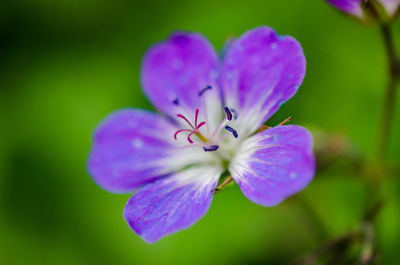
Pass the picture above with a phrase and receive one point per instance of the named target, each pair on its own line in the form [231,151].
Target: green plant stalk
[390,94]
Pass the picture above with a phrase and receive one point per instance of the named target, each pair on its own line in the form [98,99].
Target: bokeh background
[64,65]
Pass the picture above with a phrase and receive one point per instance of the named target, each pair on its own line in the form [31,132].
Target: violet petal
[274,164]
[261,71]
[172,203]
[177,70]
[391,6]
[128,148]
[352,7]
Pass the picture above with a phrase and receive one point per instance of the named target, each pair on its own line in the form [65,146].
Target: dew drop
[229,75]
[177,64]
[214,74]
[137,143]
[132,123]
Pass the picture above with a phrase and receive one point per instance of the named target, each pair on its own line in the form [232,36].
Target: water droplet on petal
[177,64]
[132,123]
[137,143]
[229,75]
[214,74]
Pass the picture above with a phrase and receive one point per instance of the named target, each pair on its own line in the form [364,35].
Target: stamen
[201,92]
[176,101]
[228,113]
[235,114]
[210,148]
[184,118]
[178,132]
[219,128]
[233,131]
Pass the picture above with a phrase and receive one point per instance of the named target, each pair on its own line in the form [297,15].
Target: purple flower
[356,7]
[391,6]
[353,7]
[212,109]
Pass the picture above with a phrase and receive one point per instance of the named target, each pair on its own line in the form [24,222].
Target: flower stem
[335,250]
[390,94]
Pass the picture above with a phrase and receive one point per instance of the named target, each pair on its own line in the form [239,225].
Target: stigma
[208,140]
[194,129]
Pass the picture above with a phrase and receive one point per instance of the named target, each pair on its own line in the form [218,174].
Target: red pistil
[178,132]
[195,128]
[188,137]
[200,125]
[184,118]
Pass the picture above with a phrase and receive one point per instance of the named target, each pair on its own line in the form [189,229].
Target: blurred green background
[64,65]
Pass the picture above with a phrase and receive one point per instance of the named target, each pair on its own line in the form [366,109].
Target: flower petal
[261,71]
[172,203]
[128,150]
[391,6]
[274,164]
[175,72]
[352,7]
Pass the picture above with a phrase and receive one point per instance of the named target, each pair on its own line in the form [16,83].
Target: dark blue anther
[233,131]
[201,92]
[228,113]
[235,115]
[176,101]
[210,148]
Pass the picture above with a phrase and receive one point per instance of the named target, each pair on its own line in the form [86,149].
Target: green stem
[390,94]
